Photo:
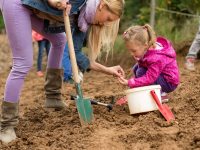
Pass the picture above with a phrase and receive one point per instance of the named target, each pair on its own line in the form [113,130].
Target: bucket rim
[143,88]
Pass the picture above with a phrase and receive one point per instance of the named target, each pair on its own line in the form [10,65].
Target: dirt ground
[43,129]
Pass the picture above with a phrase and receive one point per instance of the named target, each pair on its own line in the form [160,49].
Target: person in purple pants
[46,18]
[156,60]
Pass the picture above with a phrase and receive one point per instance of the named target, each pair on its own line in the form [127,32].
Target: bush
[1,23]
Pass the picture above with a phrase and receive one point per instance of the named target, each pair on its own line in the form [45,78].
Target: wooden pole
[71,48]
[152,17]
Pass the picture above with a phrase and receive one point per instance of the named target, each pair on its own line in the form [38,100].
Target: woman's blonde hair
[144,34]
[103,37]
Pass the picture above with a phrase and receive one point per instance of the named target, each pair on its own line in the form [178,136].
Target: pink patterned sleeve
[131,82]
[150,77]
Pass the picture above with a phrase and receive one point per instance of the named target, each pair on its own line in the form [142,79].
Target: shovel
[163,108]
[83,105]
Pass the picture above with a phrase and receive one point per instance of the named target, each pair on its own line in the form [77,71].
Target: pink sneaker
[121,101]
[40,74]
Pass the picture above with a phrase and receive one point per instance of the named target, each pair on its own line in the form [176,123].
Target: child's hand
[123,81]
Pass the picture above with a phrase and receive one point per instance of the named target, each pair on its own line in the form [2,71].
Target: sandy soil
[41,128]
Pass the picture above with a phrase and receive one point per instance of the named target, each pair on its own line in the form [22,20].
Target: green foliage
[174,26]
[183,7]
[119,44]
[1,23]
[167,28]
[178,27]
[135,12]
[143,16]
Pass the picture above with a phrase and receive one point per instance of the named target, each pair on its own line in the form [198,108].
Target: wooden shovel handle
[71,47]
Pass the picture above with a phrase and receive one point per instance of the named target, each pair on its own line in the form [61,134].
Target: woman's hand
[60,4]
[123,81]
[116,71]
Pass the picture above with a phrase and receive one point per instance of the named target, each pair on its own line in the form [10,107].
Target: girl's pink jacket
[158,62]
[36,36]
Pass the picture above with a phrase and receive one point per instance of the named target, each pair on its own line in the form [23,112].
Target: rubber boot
[53,85]
[9,120]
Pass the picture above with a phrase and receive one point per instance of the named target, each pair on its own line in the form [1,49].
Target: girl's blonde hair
[144,34]
[103,37]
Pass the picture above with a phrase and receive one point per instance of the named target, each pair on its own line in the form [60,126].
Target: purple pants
[19,22]
[165,86]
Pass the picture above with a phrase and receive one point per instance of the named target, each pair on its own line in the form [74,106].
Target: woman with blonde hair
[45,17]
[101,22]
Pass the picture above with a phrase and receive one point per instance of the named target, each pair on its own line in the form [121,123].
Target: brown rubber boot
[9,120]
[53,85]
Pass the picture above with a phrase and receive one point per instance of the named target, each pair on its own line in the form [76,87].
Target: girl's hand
[60,4]
[123,81]
[116,71]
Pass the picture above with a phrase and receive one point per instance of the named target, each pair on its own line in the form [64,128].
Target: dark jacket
[53,18]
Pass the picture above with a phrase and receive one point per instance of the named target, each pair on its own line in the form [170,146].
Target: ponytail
[151,35]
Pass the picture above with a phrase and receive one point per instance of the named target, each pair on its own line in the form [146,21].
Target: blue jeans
[66,64]
[43,44]
[165,86]
[82,60]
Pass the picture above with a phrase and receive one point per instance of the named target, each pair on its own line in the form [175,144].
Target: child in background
[42,44]
[193,52]
[156,60]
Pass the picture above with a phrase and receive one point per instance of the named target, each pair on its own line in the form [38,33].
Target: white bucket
[140,99]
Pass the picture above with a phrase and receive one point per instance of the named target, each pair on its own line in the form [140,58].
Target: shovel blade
[163,108]
[84,110]
[167,113]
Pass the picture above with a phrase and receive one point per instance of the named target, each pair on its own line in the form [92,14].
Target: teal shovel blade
[85,111]
[84,107]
